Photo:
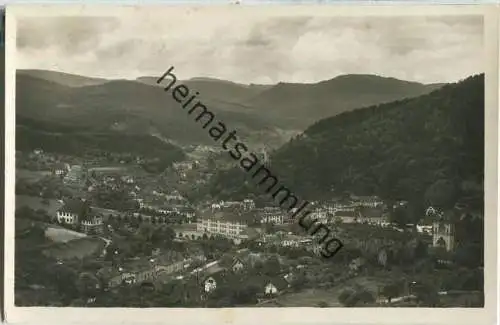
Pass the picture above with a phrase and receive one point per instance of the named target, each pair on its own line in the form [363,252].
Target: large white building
[92,225]
[367,201]
[226,226]
[321,215]
[248,204]
[72,210]
[272,215]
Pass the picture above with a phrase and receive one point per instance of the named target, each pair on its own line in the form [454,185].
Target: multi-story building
[319,214]
[141,203]
[372,215]
[294,241]
[248,204]
[272,215]
[92,225]
[183,166]
[367,201]
[224,224]
[72,211]
[344,206]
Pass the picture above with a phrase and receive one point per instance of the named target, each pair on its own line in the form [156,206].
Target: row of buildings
[148,269]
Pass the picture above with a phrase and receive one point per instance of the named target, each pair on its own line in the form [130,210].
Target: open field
[77,248]
[109,169]
[31,175]
[35,203]
[371,283]
[313,297]
[187,230]
[62,235]
[309,298]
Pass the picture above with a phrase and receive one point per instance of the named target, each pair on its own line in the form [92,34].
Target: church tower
[443,231]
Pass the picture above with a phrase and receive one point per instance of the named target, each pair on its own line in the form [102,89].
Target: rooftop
[345,213]
[371,212]
[76,206]
[228,216]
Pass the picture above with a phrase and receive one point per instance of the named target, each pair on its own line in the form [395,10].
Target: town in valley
[124,197]
[102,231]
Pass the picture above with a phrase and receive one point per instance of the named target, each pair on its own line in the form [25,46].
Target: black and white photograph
[237,157]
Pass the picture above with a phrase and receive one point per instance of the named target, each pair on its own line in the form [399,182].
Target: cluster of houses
[147,269]
[162,268]
[185,166]
[245,205]
[216,273]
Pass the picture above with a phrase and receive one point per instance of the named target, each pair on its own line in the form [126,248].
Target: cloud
[255,49]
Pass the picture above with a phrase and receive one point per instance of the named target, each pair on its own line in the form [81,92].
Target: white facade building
[93,225]
[227,228]
[67,217]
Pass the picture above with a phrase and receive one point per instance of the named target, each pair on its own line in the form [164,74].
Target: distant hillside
[262,115]
[296,106]
[303,104]
[65,79]
[217,90]
[128,106]
[396,150]
[63,139]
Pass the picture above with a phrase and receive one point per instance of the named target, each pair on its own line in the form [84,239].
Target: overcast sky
[250,49]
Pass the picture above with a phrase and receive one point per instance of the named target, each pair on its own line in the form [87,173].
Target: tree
[344,297]
[391,290]
[270,228]
[442,194]
[353,297]
[426,294]
[421,250]
[65,279]
[245,294]
[364,296]
[162,236]
[88,285]
[272,266]
[400,216]
[146,232]
[25,212]
[322,304]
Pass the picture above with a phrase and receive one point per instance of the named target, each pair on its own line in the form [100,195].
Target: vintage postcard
[242,164]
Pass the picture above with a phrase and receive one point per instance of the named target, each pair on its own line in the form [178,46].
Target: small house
[237,265]
[275,286]
[211,282]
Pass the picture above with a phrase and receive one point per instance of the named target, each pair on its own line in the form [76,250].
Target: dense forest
[403,150]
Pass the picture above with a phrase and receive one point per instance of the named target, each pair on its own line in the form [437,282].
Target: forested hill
[395,150]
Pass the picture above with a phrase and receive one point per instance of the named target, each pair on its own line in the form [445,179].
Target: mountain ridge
[259,112]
